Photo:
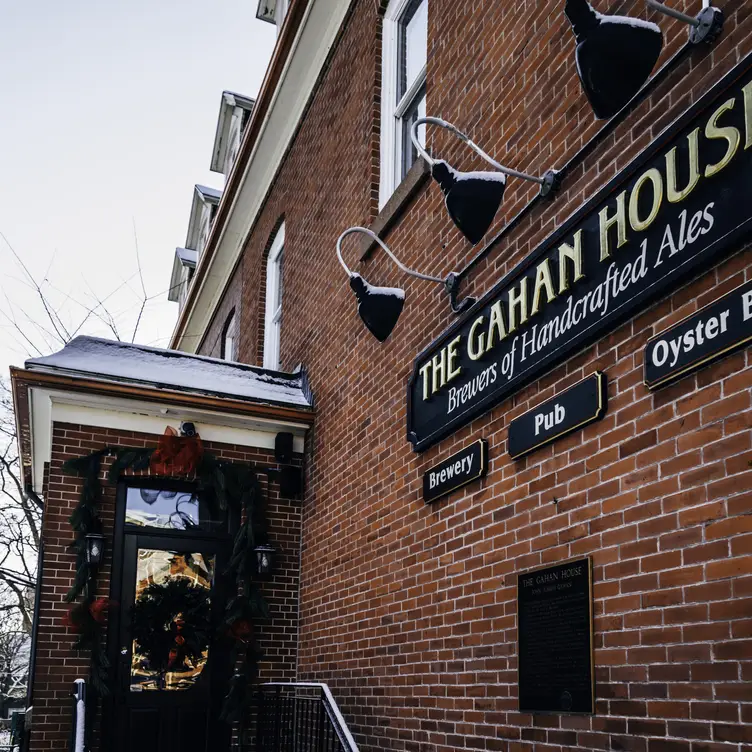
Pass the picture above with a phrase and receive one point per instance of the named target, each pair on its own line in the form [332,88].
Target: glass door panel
[172,651]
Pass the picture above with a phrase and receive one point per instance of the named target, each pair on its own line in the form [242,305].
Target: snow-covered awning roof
[212,195]
[107,360]
[187,256]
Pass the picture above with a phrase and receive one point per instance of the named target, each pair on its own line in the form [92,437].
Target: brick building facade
[409,611]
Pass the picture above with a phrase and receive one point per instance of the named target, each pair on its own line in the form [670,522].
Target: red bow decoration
[240,629]
[77,615]
[99,608]
[176,455]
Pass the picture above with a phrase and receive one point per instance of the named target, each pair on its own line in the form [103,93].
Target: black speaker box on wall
[283,448]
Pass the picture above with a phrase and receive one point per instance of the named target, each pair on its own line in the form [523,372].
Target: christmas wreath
[170,626]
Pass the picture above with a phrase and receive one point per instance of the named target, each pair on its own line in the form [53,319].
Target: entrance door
[171,673]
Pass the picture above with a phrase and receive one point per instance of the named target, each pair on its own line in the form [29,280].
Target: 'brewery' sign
[461,468]
[581,404]
[677,208]
[708,334]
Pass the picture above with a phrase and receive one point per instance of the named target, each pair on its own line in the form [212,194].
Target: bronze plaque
[555,639]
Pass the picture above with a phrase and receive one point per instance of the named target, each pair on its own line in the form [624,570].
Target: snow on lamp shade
[379,307]
[472,198]
[615,55]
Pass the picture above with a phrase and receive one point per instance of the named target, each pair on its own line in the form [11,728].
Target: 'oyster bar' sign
[678,207]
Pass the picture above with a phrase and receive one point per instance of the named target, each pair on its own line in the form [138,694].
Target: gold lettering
[673,194]
[575,257]
[619,219]
[452,353]
[438,363]
[424,369]
[496,325]
[471,351]
[748,114]
[652,175]
[518,299]
[729,133]
[543,281]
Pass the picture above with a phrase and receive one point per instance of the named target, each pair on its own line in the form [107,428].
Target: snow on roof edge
[108,360]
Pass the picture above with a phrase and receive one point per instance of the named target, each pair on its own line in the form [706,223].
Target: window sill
[396,205]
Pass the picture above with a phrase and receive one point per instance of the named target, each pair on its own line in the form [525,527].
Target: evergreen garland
[223,485]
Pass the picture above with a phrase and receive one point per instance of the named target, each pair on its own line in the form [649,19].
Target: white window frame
[280,12]
[229,337]
[392,110]
[273,312]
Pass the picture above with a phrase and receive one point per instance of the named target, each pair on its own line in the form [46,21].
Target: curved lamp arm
[374,236]
[462,137]
[547,183]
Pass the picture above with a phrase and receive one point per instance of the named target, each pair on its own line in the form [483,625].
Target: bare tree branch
[143,286]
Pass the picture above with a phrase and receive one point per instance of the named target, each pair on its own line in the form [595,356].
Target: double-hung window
[273,314]
[403,91]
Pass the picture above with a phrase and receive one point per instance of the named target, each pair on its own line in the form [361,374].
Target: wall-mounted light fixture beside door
[473,198]
[380,307]
[615,55]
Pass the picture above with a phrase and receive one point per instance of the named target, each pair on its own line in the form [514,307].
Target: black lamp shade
[149,495]
[379,307]
[472,198]
[615,55]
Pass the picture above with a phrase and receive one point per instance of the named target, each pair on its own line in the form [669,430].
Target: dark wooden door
[173,707]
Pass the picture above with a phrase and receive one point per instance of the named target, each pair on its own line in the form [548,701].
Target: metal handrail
[328,705]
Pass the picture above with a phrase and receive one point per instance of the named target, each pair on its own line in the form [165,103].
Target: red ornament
[240,629]
[99,608]
[180,640]
[176,455]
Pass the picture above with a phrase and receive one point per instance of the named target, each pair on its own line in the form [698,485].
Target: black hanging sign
[555,639]
[463,467]
[706,335]
[583,403]
[676,210]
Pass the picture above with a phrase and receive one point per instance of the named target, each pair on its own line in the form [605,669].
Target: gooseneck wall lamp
[615,55]
[473,198]
[380,307]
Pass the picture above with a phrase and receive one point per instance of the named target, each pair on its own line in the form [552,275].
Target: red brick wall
[212,340]
[409,611]
[57,664]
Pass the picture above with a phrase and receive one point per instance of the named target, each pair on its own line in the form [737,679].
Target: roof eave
[72,381]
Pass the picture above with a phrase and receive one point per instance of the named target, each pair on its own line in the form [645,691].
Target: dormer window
[183,269]
[272,11]
[234,112]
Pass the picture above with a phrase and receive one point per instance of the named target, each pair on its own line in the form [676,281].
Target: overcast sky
[107,120]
